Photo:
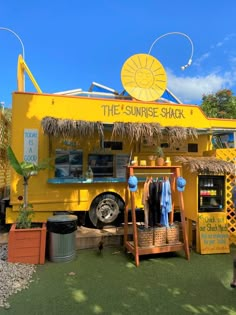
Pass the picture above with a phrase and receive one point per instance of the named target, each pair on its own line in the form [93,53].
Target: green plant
[25,217]
[159,152]
[26,170]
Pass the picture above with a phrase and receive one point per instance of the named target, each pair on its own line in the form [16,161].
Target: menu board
[213,232]
[121,162]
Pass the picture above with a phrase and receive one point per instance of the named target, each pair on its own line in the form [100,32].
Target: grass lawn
[110,283]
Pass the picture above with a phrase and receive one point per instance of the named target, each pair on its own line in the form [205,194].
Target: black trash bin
[62,237]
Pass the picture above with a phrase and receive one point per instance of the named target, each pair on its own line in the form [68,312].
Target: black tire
[106,209]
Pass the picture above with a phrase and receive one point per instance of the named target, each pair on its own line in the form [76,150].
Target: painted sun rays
[144,77]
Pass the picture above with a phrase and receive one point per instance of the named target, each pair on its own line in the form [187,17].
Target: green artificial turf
[110,283]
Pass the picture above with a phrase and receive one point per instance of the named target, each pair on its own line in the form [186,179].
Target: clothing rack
[149,174]
[132,246]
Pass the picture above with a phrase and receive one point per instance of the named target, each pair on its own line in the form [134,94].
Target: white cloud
[191,89]
[227,37]
[199,60]
[219,44]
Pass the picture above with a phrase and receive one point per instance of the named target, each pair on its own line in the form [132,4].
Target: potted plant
[160,156]
[26,243]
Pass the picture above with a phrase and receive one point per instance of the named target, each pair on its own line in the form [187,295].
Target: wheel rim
[107,210]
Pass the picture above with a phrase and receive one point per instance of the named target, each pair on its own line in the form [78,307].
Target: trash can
[62,237]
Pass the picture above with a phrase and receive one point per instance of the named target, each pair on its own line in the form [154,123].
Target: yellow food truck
[92,136]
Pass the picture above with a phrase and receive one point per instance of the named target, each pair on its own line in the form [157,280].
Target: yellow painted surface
[29,109]
[38,217]
[21,69]
[230,156]
[190,195]
[213,233]
[37,106]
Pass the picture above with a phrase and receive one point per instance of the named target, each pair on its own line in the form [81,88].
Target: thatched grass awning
[177,135]
[206,165]
[136,131]
[68,128]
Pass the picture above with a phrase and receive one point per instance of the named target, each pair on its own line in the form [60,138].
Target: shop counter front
[57,180]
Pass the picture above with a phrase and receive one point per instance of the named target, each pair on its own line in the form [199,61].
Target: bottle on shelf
[89,174]
[135,161]
[167,161]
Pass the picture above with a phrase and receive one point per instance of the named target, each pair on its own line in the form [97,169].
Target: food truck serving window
[113,145]
[101,164]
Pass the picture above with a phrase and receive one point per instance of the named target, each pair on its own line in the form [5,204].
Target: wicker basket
[145,237]
[159,236]
[173,233]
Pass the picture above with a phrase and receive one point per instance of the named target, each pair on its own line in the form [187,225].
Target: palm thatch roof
[136,131]
[68,128]
[177,135]
[206,165]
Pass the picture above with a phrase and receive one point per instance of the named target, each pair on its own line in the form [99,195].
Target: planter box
[27,245]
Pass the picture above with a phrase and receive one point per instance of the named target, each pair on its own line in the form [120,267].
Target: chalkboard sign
[213,232]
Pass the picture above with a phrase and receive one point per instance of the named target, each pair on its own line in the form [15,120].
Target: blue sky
[70,44]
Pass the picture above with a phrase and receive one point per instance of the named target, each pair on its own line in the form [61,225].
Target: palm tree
[26,170]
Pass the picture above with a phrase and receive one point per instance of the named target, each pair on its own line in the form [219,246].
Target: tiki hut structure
[206,165]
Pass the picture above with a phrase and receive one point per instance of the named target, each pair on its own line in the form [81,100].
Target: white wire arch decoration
[177,33]
[17,36]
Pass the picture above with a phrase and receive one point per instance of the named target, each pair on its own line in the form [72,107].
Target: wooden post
[126,215]
[135,234]
[171,215]
[181,204]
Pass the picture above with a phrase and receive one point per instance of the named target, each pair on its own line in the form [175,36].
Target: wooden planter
[27,245]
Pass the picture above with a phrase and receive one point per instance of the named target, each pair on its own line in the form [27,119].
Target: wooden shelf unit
[132,246]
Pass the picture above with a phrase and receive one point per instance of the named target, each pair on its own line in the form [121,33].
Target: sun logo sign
[144,77]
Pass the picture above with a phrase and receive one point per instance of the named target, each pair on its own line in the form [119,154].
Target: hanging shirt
[154,203]
[166,202]
[145,198]
[145,195]
[153,193]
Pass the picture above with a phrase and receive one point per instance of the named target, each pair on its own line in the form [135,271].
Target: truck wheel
[106,209]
